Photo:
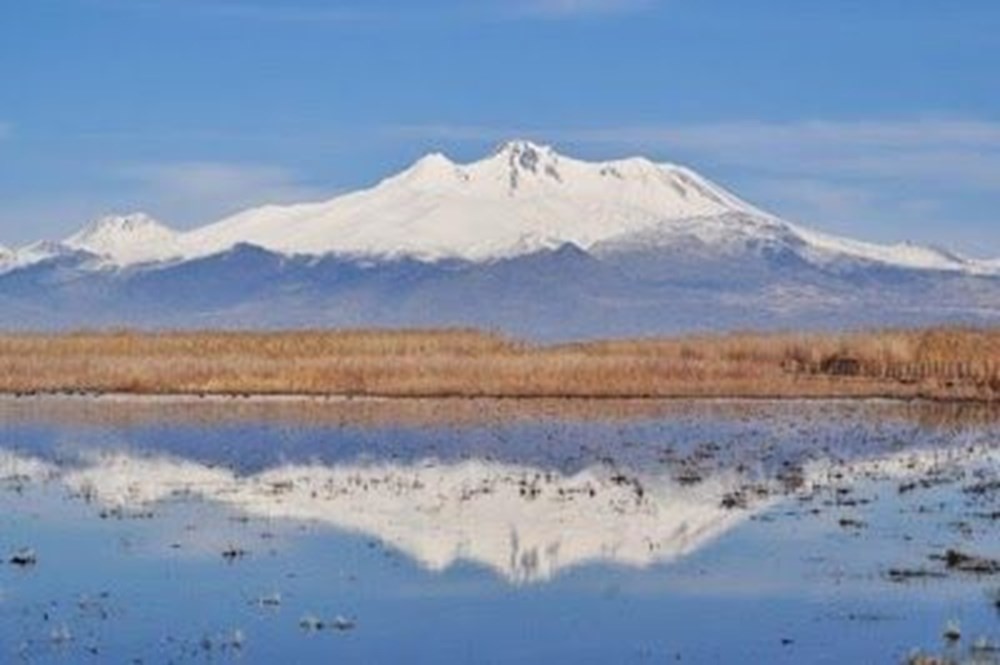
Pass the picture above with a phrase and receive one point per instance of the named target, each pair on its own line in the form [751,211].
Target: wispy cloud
[201,191]
[965,152]
[900,133]
[946,150]
[879,179]
[5,130]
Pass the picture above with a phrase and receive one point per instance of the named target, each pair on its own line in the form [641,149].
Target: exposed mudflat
[457,531]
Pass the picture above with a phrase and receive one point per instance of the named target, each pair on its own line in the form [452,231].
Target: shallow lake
[497,531]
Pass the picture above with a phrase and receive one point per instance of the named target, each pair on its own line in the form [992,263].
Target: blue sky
[877,118]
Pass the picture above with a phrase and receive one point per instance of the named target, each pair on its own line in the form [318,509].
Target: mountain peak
[523,147]
[432,166]
[131,238]
[135,222]
[521,158]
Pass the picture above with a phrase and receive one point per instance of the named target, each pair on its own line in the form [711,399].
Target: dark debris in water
[24,558]
[969,563]
[911,574]
[232,554]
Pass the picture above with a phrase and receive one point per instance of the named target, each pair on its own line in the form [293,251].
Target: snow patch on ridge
[823,247]
[36,252]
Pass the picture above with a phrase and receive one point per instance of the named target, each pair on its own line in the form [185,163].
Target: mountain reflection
[526,524]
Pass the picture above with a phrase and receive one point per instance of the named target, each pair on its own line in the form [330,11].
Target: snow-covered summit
[526,197]
[126,239]
[522,198]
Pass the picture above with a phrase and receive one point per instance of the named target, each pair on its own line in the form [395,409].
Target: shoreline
[344,398]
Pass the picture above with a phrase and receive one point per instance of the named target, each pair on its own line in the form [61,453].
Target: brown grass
[933,363]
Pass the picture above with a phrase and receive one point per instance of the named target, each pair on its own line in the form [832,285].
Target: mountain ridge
[523,198]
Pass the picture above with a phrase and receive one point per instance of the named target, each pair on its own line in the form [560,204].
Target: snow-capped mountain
[522,199]
[108,242]
[526,198]
[526,239]
[126,240]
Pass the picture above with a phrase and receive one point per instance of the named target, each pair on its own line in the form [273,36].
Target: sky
[878,119]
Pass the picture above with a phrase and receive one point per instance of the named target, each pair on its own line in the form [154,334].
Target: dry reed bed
[948,363]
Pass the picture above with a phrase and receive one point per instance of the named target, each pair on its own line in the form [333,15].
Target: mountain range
[527,241]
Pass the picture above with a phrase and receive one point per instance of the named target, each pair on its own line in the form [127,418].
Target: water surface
[495,532]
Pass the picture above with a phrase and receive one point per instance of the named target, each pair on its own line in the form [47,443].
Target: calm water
[496,532]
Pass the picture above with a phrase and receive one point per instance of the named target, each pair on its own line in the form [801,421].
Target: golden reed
[939,363]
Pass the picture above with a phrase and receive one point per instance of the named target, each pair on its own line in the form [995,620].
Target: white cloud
[965,152]
[198,192]
[5,130]
[837,199]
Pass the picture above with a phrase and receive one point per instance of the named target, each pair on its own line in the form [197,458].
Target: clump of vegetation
[947,363]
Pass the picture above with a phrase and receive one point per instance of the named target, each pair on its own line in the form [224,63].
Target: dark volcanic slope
[548,295]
